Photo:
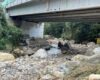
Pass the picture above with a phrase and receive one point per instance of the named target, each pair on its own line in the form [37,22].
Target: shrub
[9,34]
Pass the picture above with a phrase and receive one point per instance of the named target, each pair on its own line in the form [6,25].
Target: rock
[54,45]
[22,52]
[28,51]
[6,57]
[82,71]
[91,49]
[54,52]
[89,52]
[18,52]
[41,53]
[72,41]
[80,58]
[94,58]
[94,77]
[91,59]
[58,74]
[91,44]
[97,50]
[63,68]
[71,64]
[47,77]
[47,36]
[53,42]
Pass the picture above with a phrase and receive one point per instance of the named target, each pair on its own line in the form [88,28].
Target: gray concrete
[29,11]
[55,10]
[18,7]
[33,29]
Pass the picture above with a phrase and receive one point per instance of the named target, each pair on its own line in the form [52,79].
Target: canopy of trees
[79,31]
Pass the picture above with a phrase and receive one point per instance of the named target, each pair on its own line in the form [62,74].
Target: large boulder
[41,53]
[28,51]
[53,42]
[18,52]
[80,58]
[94,77]
[6,56]
[23,51]
[95,58]
[54,52]
[91,44]
[97,50]
[83,71]
[91,59]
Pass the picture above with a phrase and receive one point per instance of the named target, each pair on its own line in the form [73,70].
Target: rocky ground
[62,67]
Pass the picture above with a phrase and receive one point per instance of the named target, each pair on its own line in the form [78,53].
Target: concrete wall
[45,6]
[33,29]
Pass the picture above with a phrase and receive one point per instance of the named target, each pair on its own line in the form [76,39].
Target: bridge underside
[85,15]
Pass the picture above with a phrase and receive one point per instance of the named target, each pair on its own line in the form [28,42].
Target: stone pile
[36,65]
[29,68]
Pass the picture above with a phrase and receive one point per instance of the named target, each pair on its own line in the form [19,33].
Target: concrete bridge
[29,14]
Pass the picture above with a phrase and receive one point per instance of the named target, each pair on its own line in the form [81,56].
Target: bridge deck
[55,10]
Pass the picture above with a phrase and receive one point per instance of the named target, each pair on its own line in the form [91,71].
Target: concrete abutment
[33,29]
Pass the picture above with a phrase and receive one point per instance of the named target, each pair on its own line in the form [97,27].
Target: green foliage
[78,31]
[54,29]
[2,44]
[70,30]
[6,2]
[9,34]
[87,32]
[83,32]
[14,36]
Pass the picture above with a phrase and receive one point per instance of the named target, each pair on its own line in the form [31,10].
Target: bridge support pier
[33,29]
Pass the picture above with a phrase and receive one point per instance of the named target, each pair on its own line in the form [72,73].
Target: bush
[2,45]
[14,36]
[79,31]
[9,34]
[87,32]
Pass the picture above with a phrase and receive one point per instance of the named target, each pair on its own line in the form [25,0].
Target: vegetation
[54,29]
[9,34]
[78,31]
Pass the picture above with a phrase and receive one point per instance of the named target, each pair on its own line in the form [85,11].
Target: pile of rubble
[46,62]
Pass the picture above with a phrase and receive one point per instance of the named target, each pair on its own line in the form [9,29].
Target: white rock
[41,53]
[54,45]
[47,77]
[94,77]
[6,57]
[80,58]
[53,42]
[72,41]
[58,74]
[91,44]
[97,50]
[54,52]
[63,68]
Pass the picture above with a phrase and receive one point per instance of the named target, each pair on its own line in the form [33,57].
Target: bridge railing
[17,2]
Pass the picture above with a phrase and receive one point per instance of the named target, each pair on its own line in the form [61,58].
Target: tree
[87,32]
[70,30]
[79,31]
[9,34]
[54,29]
